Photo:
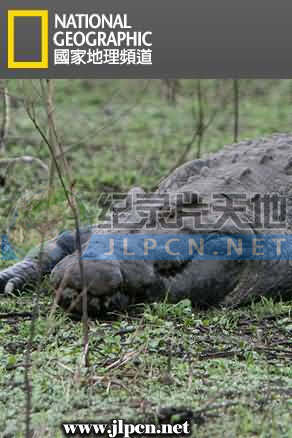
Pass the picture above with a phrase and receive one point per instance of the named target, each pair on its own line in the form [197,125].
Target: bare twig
[172,87]
[72,204]
[189,144]
[113,120]
[27,159]
[47,93]
[5,119]
[200,122]
[68,191]
[27,361]
[236,109]
[123,360]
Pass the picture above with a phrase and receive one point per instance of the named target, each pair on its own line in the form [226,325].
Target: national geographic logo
[27,39]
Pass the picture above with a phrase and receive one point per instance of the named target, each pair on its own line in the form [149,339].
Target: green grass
[231,368]
[121,133]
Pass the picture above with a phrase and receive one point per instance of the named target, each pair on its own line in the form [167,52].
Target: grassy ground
[231,369]
[123,133]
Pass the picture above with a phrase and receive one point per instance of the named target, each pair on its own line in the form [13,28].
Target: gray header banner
[151,39]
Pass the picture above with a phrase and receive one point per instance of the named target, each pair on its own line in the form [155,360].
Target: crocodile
[248,170]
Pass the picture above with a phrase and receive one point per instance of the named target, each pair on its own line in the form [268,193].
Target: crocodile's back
[261,166]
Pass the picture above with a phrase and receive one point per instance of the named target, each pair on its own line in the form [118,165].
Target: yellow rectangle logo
[43,14]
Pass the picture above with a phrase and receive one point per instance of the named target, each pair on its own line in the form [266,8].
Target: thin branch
[73,206]
[187,147]
[6,118]
[47,97]
[27,159]
[200,123]
[172,87]
[236,109]
[27,361]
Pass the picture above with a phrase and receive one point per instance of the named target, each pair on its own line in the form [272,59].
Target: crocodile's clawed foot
[71,300]
[110,285]
[18,276]
[102,280]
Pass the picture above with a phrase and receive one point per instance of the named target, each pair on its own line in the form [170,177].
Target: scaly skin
[263,167]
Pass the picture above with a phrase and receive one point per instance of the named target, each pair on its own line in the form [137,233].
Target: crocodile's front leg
[40,261]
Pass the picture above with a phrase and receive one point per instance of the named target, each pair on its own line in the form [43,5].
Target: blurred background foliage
[121,133]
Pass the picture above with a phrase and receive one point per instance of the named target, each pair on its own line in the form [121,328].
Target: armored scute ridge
[240,175]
